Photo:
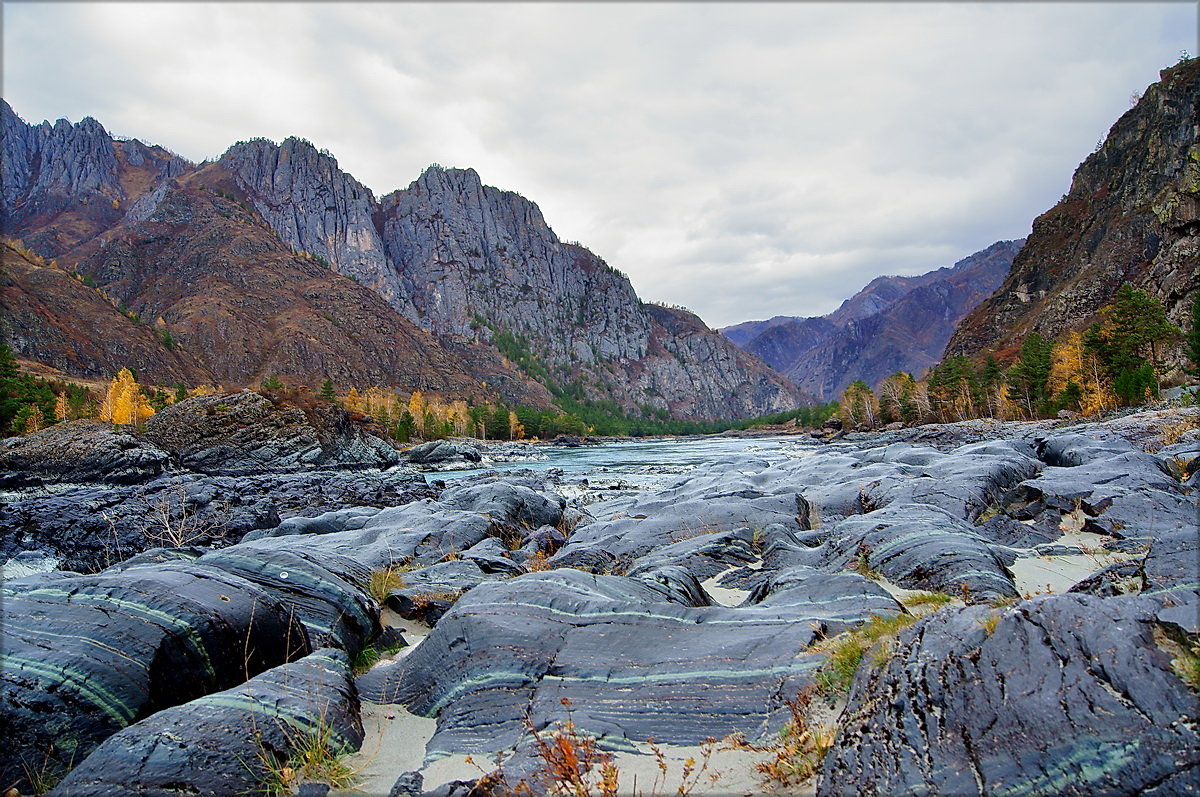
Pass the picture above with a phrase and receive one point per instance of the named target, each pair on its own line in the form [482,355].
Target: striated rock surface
[893,324]
[1064,694]
[231,742]
[708,608]
[598,641]
[1132,214]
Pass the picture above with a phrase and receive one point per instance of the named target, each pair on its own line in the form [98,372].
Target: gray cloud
[745,160]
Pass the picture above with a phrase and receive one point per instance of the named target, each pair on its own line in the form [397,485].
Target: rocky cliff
[474,264]
[275,261]
[478,262]
[1132,214]
[893,324]
[65,183]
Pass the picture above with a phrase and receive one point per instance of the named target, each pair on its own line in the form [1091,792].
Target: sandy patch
[727,596]
[1041,574]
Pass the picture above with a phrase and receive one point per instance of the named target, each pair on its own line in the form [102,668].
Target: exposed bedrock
[85,656]
[1062,694]
[231,742]
[635,659]
[90,527]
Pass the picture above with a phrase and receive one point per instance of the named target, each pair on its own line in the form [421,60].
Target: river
[639,463]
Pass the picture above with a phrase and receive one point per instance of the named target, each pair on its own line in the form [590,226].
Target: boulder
[443,455]
[1063,694]
[245,433]
[79,451]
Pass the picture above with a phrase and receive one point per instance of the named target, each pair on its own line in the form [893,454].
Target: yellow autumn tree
[416,408]
[34,420]
[515,430]
[353,400]
[124,402]
[459,416]
[62,407]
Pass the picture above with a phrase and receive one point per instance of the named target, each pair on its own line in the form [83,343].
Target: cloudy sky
[745,160]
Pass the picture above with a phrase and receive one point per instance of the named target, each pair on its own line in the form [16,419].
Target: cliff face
[893,324]
[1132,214]
[274,261]
[65,183]
[475,260]
[315,207]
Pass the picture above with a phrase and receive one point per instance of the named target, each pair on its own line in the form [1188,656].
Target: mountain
[274,261]
[893,324]
[472,263]
[1132,214]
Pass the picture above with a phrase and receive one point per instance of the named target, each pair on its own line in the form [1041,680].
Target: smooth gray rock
[636,659]
[230,742]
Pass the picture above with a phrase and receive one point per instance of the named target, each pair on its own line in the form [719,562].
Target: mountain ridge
[462,262]
[894,323]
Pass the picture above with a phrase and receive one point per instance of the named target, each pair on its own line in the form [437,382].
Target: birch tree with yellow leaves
[124,402]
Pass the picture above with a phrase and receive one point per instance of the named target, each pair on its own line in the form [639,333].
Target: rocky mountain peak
[315,207]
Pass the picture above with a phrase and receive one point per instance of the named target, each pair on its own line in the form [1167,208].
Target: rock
[246,433]
[704,556]
[79,451]
[510,505]
[409,784]
[231,742]
[636,659]
[1119,578]
[85,656]
[443,455]
[90,528]
[1068,693]
[492,557]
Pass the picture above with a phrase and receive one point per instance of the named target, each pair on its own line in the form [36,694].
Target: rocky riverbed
[1025,599]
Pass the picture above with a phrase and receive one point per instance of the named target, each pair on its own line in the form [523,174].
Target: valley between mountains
[312,491]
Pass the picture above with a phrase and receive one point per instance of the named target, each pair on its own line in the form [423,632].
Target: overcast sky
[744,160]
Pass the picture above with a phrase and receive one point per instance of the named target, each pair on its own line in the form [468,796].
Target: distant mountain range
[273,261]
[893,324]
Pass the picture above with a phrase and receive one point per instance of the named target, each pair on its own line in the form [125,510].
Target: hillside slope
[1132,214]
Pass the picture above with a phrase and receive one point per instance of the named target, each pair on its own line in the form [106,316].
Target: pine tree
[1192,341]
[1028,380]
[327,392]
